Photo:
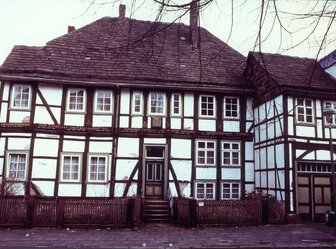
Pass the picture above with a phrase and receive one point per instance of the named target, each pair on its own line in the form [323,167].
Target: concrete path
[161,236]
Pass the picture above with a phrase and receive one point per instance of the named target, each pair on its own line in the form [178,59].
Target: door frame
[164,171]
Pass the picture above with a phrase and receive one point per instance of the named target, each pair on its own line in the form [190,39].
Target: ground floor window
[230,190]
[71,165]
[205,190]
[98,168]
[17,165]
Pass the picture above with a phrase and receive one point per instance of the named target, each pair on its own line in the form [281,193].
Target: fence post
[30,211]
[129,213]
[193,212]
[265,211]
[60,212]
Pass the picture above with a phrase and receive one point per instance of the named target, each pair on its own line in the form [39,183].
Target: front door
[154,179]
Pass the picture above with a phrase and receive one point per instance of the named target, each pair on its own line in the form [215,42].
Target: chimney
[71,28]
[194,23]
[122,12]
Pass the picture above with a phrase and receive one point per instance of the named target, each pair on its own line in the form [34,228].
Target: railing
[52,212]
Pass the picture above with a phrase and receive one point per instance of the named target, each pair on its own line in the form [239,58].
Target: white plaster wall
[128,147]
[257,159]
[46,147]
[270,157]
[136,122]
[3,113]
[185,189]
[256,115]
[231,174]
[269,109]
[311,156]
[249,188]
[278,104]
[18,143]
[125,101]
[281,178]
[173,189]
[155,141]
[97,190]
[180,148]
[5,92]
[18,116]
[249,172]
[305,131]
[263,158]
[124,169]
[188,124]
[290,105]
[102,120]
[299,153]
[46,187]
[256,134]
[263,131]
[66,189]
[206,173]
[207,125]
[44,168]
[175,123]
[51,93]
[257,179]
[262,113]
[123,121]
[188,105]
[270,130]
[73,146]
[249,110]
[248,127]
[280,155]
[319,128]
[182,169]
[132,191]
[249,152]
[271,179]
[279,126]
[74,119]
[332,71]
[263,179]
[2,146]
[1,166]
[100,147]
[119,189]
[57,113]
[231,126]
[322,155]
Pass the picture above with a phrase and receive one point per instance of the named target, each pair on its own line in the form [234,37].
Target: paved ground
[165,236]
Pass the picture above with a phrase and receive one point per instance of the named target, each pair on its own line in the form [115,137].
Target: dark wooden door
[154,179]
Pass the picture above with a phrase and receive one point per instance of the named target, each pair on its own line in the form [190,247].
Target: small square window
[76,100]
[207,106]
[103,101]
[21,96]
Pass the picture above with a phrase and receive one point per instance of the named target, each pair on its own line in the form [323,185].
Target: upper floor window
[207,106]
[137,102]
[17,165]
[21,96]
[157,103]
[331,119]
[230,153]
[176,104]
[98,168]
[231,107]
[304,109]
[76,99]
[205,190]
[205,152]
[71,165]
[103,101]
[230,190]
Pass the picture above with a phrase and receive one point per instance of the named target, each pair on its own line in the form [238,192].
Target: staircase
[156,210]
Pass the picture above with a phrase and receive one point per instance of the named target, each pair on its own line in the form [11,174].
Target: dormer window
[207,106]
[304,110]
[231,107]
[76,100]
[21,96]
[157,103]
[103,101]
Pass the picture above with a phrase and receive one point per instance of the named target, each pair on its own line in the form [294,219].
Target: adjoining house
[123,107]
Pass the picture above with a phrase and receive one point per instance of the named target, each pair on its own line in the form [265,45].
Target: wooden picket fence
[69,212]
[228,212]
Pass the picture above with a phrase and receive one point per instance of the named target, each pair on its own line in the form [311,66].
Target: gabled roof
[110,50]
[295,71]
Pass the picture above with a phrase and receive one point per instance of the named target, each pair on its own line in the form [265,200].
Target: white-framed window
[71,167]
[230,190]
[21,96]
[103,101]
[304,110]
[332,119]
[98,165]
[137,102]
[157,103]
[76,100]
[205,191]
[207,106]
[231,107]
[176,104]
[17,163]
[205,152]
[230,153]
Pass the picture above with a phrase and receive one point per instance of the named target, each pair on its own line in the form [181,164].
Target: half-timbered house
[291,142]
[123,107]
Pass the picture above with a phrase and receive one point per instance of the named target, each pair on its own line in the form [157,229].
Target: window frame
[140,112]
[231,151]
[96,102]
[12,102]
[205,183]
[106,156]
[164,106]
[206,151]
[172,113]
[80,162]
[224,108]
[200,106]
[231,183]
[333,118]
[304,108]
[16,152]
[68,100]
